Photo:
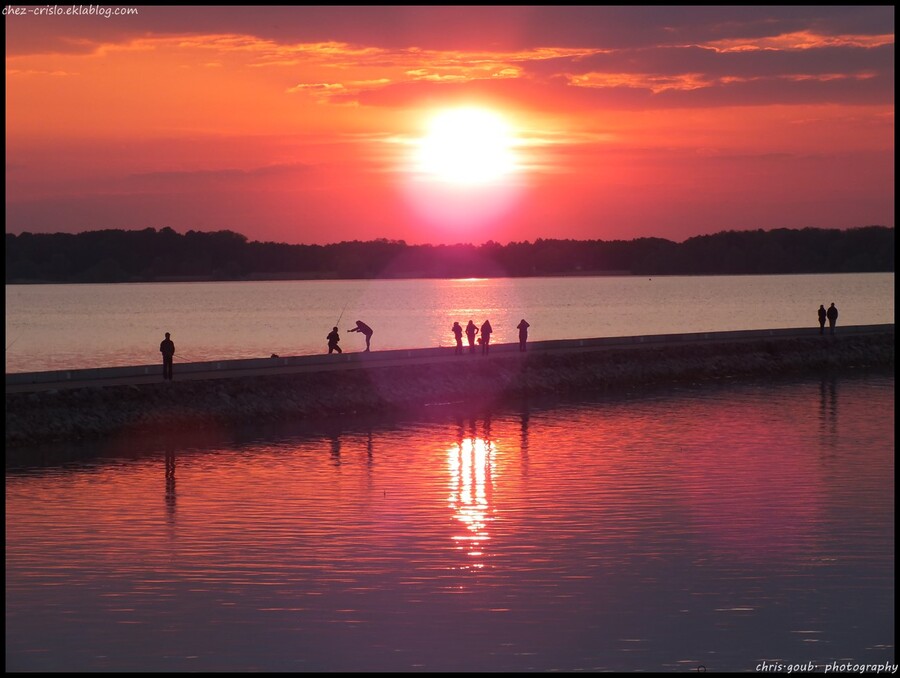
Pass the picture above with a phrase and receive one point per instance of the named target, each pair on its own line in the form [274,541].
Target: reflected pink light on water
[771,513]
[546,537]
[469,463]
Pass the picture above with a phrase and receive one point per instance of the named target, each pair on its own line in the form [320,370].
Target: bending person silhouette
[457,332]
[333,338]
[486,332]
[365,329]
[523,333]
[471,331]
[823,314]
[167,348]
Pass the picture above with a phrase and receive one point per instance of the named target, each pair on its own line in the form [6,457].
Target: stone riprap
[90,412]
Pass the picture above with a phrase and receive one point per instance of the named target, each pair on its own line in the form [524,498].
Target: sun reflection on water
[469,463]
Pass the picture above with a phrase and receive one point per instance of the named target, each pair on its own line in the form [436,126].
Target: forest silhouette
[150,255]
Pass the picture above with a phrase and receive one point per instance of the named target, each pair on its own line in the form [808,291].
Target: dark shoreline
[97,412]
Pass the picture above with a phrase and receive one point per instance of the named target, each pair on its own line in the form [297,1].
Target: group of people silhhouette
[167,346]
[471,330]
[831,315]
[485,339]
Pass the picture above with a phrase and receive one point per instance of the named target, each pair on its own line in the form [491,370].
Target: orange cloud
[799,40]
[654,83]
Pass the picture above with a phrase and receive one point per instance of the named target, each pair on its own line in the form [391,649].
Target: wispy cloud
[19,72]
[218,175]
[799,40]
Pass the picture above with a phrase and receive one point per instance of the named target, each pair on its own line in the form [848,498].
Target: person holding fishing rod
[364,329]
[167,348]
[333,338]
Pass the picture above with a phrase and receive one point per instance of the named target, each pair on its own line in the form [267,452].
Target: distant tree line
[159,255]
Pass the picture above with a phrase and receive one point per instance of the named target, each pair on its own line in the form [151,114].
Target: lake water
[717,526]
[75,326]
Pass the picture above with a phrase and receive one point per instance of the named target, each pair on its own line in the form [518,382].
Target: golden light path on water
[470,465]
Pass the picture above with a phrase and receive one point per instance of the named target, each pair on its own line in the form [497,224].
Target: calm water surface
[73,326]
[716,526]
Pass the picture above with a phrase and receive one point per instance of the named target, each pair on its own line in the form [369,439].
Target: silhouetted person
[365,329]
[457,332]
[822,316]
[523,333]
[471,331]
[167,348]
[832,314]
[333,338]
[486,331]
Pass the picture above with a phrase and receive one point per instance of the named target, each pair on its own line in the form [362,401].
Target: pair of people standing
[334,337]
[831,315]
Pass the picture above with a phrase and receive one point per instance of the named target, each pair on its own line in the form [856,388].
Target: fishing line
[338,323]
[9,345]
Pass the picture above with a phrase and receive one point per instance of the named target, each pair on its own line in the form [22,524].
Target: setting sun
[467,146]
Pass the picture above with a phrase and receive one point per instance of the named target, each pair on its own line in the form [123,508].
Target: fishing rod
[338,323]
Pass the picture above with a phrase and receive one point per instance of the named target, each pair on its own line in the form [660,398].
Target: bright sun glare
[467,146]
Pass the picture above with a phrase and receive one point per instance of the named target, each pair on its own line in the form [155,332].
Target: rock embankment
[85,413]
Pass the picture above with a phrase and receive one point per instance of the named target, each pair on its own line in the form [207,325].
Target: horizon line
[403,242]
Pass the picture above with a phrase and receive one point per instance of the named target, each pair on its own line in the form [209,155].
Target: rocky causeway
[413,380]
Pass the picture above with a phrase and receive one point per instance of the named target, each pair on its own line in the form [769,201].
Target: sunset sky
[450,124]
